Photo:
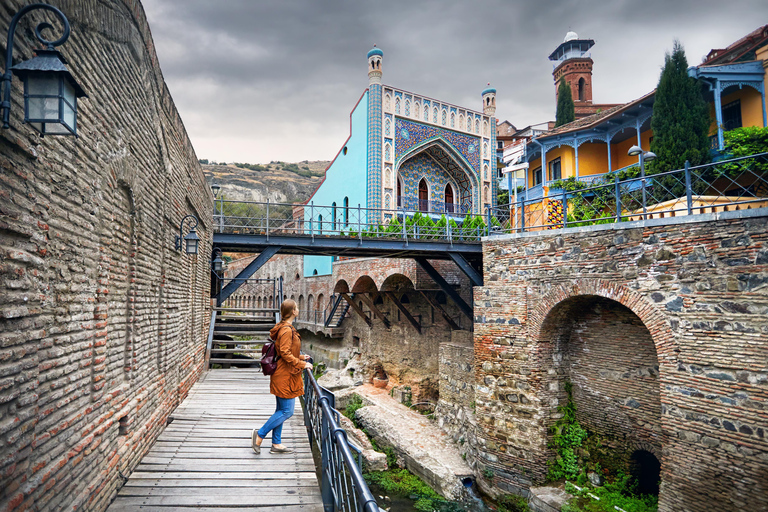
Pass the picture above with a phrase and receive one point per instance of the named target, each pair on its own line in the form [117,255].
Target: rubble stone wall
[103,324]
[604,307]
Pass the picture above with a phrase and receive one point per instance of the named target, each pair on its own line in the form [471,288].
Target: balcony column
[576,158]
[762,97]
[608,141]
[719,117]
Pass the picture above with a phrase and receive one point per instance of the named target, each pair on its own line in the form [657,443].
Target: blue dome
[488,90]
[375,51]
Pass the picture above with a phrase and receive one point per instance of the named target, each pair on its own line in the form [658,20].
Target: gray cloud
[275,80]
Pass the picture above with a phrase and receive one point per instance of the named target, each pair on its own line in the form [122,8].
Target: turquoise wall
[346,177]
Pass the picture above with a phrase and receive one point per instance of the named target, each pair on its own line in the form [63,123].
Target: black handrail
[342,484]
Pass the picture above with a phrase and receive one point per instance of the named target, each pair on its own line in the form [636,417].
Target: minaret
[375,141]
[573,63]
[489,101]
[375,56]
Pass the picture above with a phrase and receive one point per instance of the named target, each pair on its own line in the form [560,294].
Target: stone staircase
[238,335]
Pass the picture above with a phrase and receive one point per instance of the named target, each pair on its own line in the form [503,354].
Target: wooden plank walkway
[203,460]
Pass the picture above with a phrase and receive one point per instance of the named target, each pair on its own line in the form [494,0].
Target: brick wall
[586,303]
[103,322]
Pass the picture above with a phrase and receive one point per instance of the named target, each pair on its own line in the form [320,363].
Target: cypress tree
[565,110]
[680,121]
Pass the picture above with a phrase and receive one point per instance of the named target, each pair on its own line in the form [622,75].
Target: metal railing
[342,484]
[254,293]
[725,185]
[314,221]
[414,204]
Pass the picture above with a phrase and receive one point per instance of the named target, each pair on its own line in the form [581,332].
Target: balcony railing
[414,204]
[726,185]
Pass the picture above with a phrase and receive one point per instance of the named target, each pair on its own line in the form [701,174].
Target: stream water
[472,501]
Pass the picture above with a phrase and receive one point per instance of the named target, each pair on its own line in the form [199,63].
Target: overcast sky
[258,80]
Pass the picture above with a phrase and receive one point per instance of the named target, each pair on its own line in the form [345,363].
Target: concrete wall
[695,288]
[103,323]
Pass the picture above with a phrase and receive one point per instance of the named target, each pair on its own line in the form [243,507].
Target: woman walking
[285,383]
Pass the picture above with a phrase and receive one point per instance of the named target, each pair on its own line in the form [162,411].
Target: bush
[512,503]
[568,436]
[354,404]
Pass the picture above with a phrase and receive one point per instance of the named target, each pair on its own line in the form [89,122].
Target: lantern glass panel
[43,108]
[191,246]
[43,84]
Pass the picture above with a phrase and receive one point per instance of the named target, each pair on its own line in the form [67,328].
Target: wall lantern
[191,241]
[217,264]
[50,90]
[215,188]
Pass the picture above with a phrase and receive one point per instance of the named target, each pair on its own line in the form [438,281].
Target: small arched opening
[645,468]
[582,84]
[449,198]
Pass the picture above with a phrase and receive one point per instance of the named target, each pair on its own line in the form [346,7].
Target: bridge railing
[342,483]
[734,184]
[312,221]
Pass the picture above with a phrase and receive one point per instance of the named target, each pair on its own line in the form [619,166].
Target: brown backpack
[269,356]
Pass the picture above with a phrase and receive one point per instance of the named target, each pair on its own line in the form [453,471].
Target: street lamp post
[50,90]
[644,156]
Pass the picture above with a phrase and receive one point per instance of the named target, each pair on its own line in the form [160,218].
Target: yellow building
[593,146]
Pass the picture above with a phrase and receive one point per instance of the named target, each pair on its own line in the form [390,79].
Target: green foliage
[404,483]
[512,503]
[355,403]
[622,493]
[565,109]
[568,436]
[745,141]
[488,474]
[203,161]
[680,121]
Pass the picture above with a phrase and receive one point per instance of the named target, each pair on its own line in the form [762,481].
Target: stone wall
[103,322]
[604,307]
[455,411]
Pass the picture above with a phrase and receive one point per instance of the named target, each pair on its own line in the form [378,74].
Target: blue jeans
[283,411]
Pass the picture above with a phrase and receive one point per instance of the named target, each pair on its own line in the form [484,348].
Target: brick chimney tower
[573,62]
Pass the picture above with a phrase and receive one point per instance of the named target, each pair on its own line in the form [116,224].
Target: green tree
[565,110]
[680,121]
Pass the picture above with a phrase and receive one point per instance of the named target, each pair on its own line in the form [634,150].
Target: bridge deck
[203,460]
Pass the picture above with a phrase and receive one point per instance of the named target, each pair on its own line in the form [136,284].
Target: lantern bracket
[180,237]
[5,105]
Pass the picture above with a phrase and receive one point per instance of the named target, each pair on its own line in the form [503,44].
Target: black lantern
[217,264]
[50,90]
[191,241]
[215,188]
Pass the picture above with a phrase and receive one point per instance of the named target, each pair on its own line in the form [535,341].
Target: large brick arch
[666,345]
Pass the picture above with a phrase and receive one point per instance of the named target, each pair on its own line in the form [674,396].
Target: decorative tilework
[373,171]
[387,126]
[397,105]
[422,166]
[465,145]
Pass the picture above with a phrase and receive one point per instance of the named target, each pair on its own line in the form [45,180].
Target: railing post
[522,215]
[359,223]
[312,220]
[688,191]
[405,233]
[267,219]
[488,223]
[565,208]
[618,197]
[325,486]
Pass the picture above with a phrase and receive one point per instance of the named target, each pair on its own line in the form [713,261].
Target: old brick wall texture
[663,331]
[102,323]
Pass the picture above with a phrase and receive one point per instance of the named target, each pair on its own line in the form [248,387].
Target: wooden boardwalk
[203,460]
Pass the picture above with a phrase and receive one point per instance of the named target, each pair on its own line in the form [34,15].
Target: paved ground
[203,460]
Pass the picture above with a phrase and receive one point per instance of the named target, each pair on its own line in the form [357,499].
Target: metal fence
[342,483]
[254,293]
[726,185]
[310,220]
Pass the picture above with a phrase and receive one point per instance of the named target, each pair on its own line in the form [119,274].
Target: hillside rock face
[275,182]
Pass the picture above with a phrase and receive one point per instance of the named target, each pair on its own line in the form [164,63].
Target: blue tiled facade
[373,176]
[409,134]
[413,170]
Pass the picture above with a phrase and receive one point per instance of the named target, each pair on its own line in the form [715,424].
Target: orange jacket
[287,382]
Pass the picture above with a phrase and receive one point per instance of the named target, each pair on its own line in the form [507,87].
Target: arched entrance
[438,165]
[607,354]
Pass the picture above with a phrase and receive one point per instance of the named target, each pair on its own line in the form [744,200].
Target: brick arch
[667,348]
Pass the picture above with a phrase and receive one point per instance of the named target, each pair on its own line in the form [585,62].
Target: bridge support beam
[474,276]
[247,272]
[403,310]
[357,309]
[432,302]
[447,288]
[376,311]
